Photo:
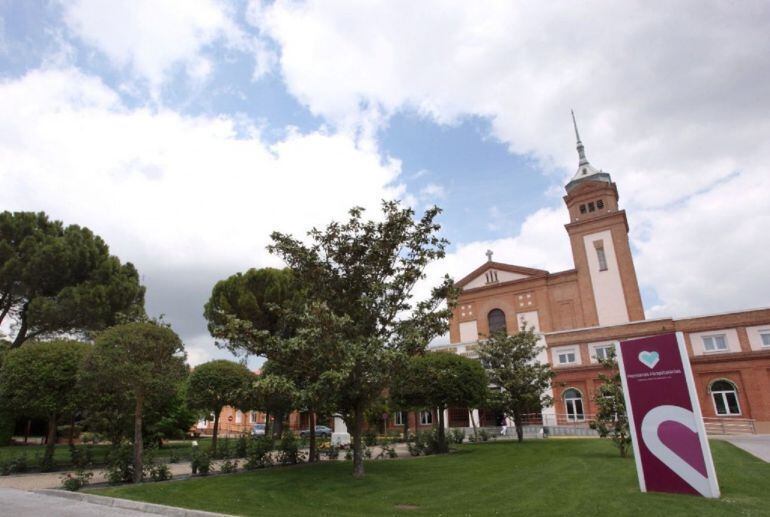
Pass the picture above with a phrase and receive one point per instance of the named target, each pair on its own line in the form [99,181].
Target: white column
[446,419]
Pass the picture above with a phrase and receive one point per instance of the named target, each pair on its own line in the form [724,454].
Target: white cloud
[186,199]
[150,37]
[672,101]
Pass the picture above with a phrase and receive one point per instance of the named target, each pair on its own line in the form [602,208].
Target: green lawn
[182,449]
[553,477]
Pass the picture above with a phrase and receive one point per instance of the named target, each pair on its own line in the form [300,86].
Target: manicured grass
[552,477]
[183,449]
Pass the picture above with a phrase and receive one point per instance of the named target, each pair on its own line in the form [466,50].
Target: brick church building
[582,312]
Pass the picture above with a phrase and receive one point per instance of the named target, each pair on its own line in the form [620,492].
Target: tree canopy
[39,380]
[512,367]
[61,280]
[216,384]
[439,380]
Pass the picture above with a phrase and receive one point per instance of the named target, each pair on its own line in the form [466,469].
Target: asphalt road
[19,503]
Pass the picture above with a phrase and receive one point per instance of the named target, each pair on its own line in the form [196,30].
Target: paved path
[756,444]
[19,503]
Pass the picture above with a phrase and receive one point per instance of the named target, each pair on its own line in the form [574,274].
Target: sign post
[667,431]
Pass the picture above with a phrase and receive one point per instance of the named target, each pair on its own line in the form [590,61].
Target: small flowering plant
[74,481]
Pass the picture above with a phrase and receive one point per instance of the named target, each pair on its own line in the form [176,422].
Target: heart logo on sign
[649,359]
[689,446]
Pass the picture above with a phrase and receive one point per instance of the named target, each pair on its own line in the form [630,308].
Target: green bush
[77,480]
[288,450]
[425,442]
[6,467]
[90,437]
[159,472]
[456,436]
[229,466]
[81,456]
[120,464]
[173,456]
[201,462]
[241,447]
[484,435]
[224,451]
[20,464]
[370,437]
[258,454]
[6,427]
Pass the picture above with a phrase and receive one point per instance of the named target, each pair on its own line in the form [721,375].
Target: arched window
[725,398]
[496,319]
[573,401]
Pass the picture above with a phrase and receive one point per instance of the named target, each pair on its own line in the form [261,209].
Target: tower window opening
[582,209]
[591,207]
[600,204]
[600,255]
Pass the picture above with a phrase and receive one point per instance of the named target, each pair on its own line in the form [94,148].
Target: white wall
[502,276]
[469,332]
[608,288]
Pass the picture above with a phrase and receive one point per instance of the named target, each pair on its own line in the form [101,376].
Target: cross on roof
[489,255]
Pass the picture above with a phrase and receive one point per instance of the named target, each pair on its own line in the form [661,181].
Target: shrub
[370,437]
[288,450]
[332,452]
[77,480]
[81,456]
[229,466]
[425,442]
[120,464]
[224,451]
[6,468]
[201,463]
[42,463]
[173,456]
[484,435]
[258,453]
[20,464]
[241,447]
[159,472]
[456,436]
[348,455]
[89,437]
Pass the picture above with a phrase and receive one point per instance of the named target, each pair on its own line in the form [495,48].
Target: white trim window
[566,357]
[602,352]
[573,402]
[725,398]
[399,417]
[253,417]
[764,337]
[715,343]
[426,418]
[238,417]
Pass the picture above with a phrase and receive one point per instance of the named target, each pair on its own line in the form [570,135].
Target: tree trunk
[473,424]
[358,453]
[50,441]
[519,429]
[27,429]
[442,445]
[21,336]
[138,444]
[405,414]
[311,419]
[278,425]
[71,438]
[215,433]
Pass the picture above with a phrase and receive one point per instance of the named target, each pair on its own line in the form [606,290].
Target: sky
[184,132]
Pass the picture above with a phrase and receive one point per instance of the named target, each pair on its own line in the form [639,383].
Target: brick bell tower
[598,232]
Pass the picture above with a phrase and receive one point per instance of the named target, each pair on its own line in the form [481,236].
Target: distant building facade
[582,312]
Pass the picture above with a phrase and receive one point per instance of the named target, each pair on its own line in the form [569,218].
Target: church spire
[580,149]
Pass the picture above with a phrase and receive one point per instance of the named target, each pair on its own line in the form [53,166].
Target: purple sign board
[669,438]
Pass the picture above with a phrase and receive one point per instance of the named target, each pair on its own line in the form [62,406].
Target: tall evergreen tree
[61,280]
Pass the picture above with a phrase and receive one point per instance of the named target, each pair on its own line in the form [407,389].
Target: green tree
[251,313]
[217,384]
[143,361]
[274,395]
[61,280]
[439,380]
[360,276]
[512,367]
[39,380]
[611,417]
